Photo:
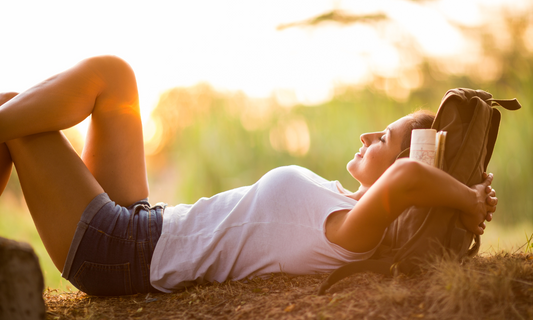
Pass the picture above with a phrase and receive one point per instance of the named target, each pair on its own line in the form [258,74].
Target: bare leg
[6,164]
[106,88]
[57,184]
[114,150]
[57,187]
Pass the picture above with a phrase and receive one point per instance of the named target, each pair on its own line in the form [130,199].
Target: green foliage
[221,149]
[221,141]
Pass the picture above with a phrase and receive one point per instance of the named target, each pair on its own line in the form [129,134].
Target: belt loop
[161,205]
[135,212]
[156,227]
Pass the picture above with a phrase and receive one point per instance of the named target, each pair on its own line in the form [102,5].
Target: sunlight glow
[292,137]
[234,44]
[528,38]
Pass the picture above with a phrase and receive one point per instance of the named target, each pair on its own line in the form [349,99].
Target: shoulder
[407,164]
[404,170]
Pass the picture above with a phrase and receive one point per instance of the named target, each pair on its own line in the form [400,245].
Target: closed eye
[383,137]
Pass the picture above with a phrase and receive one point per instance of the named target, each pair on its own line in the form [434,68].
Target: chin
[352,169]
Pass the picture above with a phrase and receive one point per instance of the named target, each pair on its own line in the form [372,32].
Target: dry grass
[498,286]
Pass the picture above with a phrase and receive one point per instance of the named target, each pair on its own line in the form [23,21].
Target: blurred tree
[337,16]
[213,141]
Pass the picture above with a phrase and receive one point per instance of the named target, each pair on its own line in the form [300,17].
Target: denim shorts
[112,247]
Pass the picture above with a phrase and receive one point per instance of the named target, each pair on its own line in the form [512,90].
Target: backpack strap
[433,224]
[465,94]
[493,134]
[376,266]
[509,104]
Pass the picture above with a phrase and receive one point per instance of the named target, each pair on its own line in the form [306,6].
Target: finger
[491,207]
[483,225]
[489,179]
[488,189]
[484,176]
[490,211]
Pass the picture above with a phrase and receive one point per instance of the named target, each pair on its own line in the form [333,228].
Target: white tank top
[274,225]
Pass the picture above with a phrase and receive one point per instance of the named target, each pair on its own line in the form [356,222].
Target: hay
[487,287]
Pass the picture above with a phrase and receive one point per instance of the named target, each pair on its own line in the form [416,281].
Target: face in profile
[378,152]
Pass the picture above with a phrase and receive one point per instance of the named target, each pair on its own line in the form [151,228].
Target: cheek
[376,165]
[373,160]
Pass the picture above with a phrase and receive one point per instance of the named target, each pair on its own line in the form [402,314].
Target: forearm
[430,187]
[415,184]
[407,183]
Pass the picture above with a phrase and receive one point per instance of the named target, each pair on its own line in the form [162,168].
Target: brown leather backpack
[421,233]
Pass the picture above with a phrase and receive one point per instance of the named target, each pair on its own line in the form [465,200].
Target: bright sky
[232,44]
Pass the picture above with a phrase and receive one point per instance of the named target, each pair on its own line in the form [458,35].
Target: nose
[365,139]
[369,137]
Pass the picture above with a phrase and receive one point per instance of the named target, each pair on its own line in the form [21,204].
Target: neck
[359,193]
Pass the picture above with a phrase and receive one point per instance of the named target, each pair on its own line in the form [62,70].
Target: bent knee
[117,81]
[109,67]
[106,61]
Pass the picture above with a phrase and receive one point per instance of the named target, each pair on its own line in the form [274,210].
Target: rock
[21,282]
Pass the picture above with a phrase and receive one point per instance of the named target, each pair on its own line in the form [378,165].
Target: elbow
[400,186]
[406,174]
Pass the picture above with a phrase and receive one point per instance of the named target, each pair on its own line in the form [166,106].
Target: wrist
[470,203]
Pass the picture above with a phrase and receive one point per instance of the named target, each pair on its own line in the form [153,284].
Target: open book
[440,142]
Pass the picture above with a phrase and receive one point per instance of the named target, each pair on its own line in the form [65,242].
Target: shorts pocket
[104,279]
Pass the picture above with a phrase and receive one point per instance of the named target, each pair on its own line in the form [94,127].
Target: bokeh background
[230,89]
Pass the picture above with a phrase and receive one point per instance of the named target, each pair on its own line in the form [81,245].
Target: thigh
[57,187]
[104,87]
[6,165]
[113,248]
[114,149]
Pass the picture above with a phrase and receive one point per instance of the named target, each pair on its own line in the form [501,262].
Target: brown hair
[421,119]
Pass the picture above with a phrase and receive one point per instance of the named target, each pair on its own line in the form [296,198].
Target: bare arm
[409,183]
